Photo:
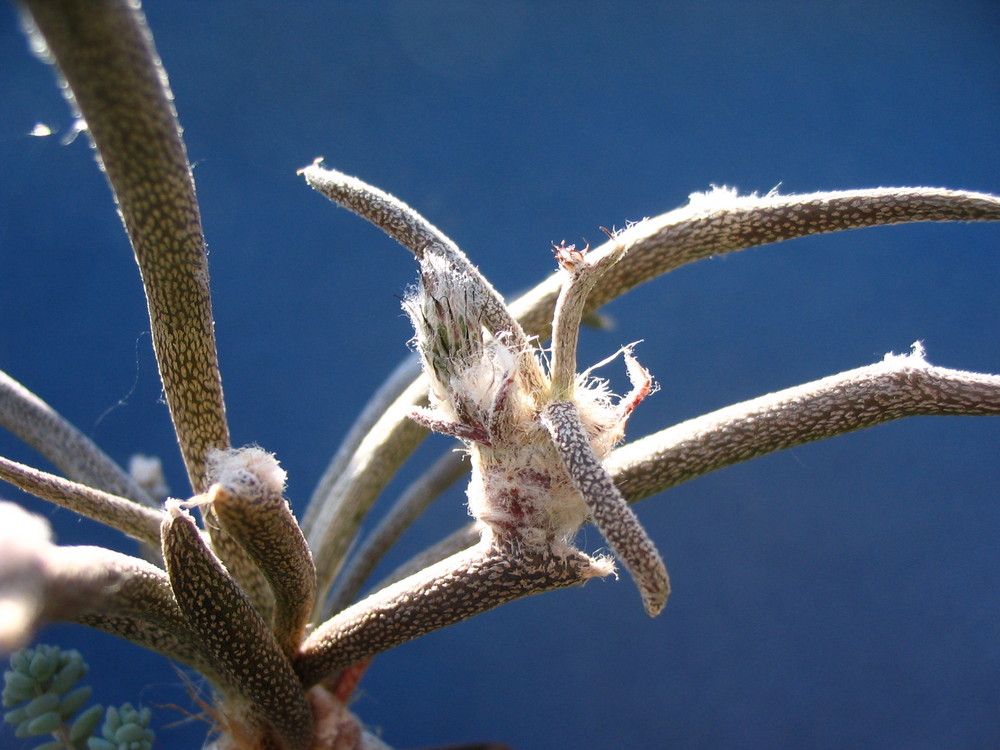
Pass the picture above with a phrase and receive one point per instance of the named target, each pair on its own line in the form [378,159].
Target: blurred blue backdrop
[843,594]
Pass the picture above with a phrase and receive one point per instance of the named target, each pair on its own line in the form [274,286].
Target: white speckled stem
[244,649]
[892,389]
[455,589]
[259,519]
[609,510]
[120,513]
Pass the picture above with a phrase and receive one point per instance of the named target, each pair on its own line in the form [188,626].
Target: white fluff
[225,467]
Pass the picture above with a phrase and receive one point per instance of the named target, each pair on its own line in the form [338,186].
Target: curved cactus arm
[395,385]
[95,580]
[616,521]
[419,236]
[179,644]
[266,690]
[105,53]
[455,589]
[581,274]
[40,582]
[264,525]
[76,455]
[120,513]
[720,221]
[899,386]
[412,503]
[384,449]
[248,500]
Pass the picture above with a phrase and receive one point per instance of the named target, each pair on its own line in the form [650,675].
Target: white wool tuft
[719,197]
[175,507]
[225,466]
[916,356]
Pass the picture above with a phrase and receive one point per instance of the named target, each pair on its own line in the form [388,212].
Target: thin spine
[455,589]
[897,387]
[261,521]
[232,630]
[448,469]
[120,513]
[72,452]
[609,510]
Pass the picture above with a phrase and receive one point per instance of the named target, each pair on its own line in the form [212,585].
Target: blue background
[842,594]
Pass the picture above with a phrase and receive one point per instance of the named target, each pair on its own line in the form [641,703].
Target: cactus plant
[258,593]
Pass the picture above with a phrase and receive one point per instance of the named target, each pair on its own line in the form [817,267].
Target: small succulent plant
[263,605]
[43,696]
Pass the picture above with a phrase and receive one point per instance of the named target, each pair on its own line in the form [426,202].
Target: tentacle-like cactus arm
[412,503]
[264,525]
[241,643]
[340,512]
[388,213]
[179,644]
[899,386]
[40,582]
[120,513]
[105,52]
[76,455]
[455,589]
[720,222]
[608,509]
[248,500]
[394,386]
[418,235]
[582,274]
[95,580]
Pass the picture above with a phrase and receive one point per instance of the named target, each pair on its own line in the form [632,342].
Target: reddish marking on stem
[642,386]
[347,680]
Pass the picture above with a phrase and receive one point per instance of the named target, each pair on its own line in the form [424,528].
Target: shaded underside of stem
[243,647]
